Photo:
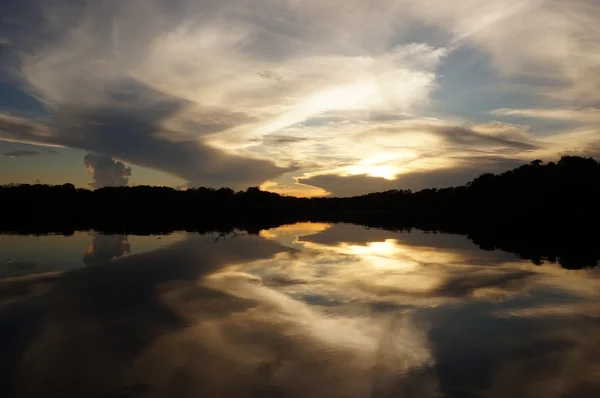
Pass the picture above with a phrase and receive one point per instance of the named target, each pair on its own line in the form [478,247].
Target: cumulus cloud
[106,171]
[105,248]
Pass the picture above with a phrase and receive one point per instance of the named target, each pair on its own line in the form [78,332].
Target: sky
[305,98]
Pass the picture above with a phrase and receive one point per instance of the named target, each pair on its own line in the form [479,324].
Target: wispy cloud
[581,115]
[19,154]
[226,94]
[549,43]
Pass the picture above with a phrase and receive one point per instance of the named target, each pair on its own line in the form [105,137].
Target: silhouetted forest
[538,211]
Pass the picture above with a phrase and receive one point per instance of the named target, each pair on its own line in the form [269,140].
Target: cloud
[19,154]
[431,153]
[473,283]
[581,115]
[105,248]
[548,46]
[105,171]
[207,311]
[489,134]
[223,95]
[133,126]
[457,174]
[144,300]
[394,146]
[221,76]
[18,129]
[296,189]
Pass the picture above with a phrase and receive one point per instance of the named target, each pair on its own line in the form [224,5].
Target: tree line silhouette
[539,210]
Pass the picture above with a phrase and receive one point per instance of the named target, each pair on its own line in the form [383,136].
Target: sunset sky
[300,97]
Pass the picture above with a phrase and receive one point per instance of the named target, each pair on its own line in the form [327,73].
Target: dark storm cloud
[14,128]
[210,120]
[459,175]
[131,136]
[104,111]
[131,128]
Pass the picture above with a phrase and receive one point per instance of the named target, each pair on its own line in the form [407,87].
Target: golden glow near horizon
[296,189]
[288,235]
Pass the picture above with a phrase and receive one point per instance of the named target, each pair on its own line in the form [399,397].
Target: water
[306,310]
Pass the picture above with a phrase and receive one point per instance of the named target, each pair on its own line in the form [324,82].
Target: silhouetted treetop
[557,197]
[554,189]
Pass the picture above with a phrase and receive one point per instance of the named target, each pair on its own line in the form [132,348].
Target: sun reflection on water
[306,310]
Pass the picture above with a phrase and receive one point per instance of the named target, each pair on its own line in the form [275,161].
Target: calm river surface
[305,310]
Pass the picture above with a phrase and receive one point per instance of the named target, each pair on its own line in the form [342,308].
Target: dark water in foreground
[308,310]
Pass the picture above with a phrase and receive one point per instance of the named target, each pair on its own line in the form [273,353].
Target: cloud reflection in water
[311,310]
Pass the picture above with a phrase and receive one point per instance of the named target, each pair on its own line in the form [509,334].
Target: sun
[382,171]
[378,165]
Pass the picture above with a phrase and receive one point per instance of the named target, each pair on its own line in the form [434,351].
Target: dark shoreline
[573,245]
[541,212]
